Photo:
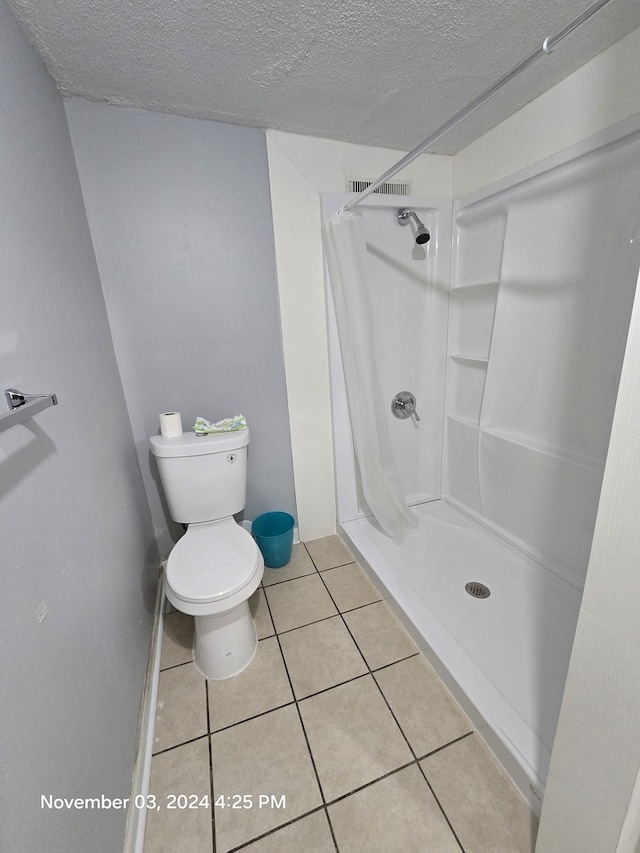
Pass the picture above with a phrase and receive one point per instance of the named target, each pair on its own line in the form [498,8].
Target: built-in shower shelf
[488,287]
[470,360]
[460,419]
[565,454]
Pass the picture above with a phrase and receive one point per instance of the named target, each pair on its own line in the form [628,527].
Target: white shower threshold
[504,657]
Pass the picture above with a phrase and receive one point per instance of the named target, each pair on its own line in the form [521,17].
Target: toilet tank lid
[190,444]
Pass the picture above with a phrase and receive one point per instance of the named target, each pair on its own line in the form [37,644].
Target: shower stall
[507,328]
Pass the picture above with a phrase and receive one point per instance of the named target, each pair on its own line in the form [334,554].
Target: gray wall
[75,596]
[180,216]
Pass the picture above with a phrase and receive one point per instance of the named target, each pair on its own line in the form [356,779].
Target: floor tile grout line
[446,745]
[177,745]
[310,574]
[324,618]
[328,567]
[394,662]
[440,806]
[400,728]
[314,622]
[304,731]
[327,805]
[315,571]
[211,791]
[295,702]
[334,616]
[344,622]
[297,698]
[372,782]
[275,829]
[254,716]
[417,761]
[176,665]
[339,566]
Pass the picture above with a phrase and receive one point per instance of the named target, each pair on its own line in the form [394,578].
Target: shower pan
[517,339]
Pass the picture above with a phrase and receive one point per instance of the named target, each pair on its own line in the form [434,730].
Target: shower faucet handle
[403,406]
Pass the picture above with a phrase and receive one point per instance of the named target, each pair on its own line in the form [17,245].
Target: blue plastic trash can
[273,532]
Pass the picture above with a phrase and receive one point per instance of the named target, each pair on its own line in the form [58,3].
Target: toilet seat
[214,563]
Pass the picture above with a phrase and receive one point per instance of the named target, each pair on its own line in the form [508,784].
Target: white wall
[180,218]
[300,169]
[596,759]
[79,566]
[602,93]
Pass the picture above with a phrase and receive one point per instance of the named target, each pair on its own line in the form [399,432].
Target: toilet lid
[212,561]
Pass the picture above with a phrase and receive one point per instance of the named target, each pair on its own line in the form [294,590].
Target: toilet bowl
[216,566]
[211,573]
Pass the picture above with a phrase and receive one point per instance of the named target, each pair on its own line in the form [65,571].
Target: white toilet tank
[204,477]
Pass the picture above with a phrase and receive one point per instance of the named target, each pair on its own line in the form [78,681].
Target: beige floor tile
[352,736]
[486,811]
[398,813]
[328,552]
[299,565]
[424,708]
[261,687]
[299,602]
[379,635]
[181,712]
[180,771]
[177,639]
[350,587]
[308,835]
[261,615]
[266,756]
[321,655]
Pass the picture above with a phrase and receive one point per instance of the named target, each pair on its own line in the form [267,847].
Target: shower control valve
[403,406]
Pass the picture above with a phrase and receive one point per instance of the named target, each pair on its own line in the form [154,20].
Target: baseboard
[136,818]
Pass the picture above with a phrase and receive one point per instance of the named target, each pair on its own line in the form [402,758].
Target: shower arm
[404,215]
[548,45]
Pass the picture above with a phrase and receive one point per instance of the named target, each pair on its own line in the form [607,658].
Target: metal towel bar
[24,406]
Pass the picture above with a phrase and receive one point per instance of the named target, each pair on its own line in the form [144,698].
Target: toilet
[215,567]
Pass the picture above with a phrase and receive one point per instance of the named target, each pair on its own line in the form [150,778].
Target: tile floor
[338,736]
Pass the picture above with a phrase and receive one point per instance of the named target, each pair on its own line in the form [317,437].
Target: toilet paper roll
[170,424]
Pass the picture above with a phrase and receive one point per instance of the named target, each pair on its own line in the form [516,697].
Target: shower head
[404,215]
[422,234]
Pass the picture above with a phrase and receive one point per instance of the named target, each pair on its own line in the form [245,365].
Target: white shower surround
[509,654]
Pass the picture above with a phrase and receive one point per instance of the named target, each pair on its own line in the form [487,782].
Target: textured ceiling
[376,72]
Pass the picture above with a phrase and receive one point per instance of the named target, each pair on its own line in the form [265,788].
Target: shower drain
[477,590]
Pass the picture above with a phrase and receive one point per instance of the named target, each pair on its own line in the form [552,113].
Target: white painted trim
[136,818]
[297,237]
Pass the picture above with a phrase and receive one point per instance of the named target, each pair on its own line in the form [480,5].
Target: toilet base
[225,643]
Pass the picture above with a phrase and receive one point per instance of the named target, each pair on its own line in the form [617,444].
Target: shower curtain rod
[548,45]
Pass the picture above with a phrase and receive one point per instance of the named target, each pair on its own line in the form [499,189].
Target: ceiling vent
[357,185]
